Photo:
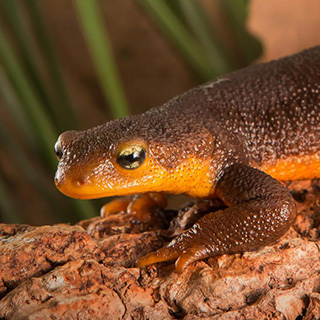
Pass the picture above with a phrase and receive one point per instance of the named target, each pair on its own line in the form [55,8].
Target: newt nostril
[81,181]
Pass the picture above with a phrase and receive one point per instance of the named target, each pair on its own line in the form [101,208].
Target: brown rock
[87,271]
[32,251]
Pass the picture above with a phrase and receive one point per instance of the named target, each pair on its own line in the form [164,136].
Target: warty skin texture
[220,139]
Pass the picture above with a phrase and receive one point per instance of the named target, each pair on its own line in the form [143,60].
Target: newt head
[128,156]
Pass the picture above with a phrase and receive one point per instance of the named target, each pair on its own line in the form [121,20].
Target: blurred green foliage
[41,108]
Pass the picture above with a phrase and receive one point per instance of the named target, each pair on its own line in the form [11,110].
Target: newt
[234,138]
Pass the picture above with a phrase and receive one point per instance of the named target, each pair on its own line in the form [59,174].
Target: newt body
[229,139]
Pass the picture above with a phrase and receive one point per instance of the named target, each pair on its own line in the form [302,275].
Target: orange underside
[191,178]
[294,168]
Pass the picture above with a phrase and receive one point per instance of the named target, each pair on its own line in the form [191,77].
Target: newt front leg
[259,211]
[139,206]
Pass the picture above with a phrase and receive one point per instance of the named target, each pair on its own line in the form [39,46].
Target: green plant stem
[84,208]
[236,12]
[101,52]
[11,102]
[43,128]
[7,206]
[26,166]
[198,22]
[180,37]
[63,110]
[26,50]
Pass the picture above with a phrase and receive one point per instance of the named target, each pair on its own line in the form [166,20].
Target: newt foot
[140,206]
[186,248]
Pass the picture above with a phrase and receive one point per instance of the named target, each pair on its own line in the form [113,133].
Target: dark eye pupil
[58,151]
[131,158]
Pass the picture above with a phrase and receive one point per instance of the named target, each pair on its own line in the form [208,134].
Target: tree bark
[88,271]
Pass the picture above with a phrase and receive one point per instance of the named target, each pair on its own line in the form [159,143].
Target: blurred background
[74,64]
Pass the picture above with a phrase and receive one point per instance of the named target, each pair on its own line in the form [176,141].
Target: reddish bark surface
[88,271]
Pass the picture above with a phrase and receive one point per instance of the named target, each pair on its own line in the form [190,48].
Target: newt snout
[70,174]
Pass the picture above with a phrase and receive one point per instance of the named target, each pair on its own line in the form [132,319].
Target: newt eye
[58,150]
[131,157]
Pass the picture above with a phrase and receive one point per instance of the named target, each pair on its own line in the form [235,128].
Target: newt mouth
[78,190]
[85,188]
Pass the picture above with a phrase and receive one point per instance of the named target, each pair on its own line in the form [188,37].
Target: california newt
[232,139]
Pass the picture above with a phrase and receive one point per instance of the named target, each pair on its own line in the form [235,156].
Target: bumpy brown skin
[260,117]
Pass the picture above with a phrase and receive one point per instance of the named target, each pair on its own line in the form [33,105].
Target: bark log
[88,271]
